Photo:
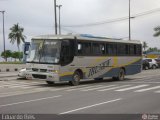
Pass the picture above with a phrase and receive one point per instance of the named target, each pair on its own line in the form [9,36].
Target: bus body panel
[92,66]
[99,67]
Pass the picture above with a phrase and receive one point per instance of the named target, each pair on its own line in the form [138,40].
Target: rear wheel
[50,82]
[120,76]
[75,79]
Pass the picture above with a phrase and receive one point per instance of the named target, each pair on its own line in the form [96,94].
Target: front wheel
[75,79]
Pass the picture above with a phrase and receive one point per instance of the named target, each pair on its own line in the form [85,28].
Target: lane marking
[20,93]
[147,89]
[6,105]
[80,88]
[90,106]
[157,91]
[15,86]
[19,83]
[114,88]
[140,82]
[98,88]
[131,88]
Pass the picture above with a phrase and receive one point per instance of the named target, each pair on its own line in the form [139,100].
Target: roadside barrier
[11,67]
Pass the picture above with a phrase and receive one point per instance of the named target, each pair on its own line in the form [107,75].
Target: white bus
[75,57]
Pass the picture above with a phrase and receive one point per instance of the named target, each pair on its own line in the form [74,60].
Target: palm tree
[157,31]
[16,35]
[144,45]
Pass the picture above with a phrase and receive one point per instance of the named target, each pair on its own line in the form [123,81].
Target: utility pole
[3,36]
[59,6]
[129,19]
[55,12]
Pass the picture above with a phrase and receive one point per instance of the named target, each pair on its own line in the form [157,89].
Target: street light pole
[59,6]
[129,19]
[3,34]
[55,12]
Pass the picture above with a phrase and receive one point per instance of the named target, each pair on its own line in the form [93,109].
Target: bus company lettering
[99,68]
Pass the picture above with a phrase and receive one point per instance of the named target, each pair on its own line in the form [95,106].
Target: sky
[37,18]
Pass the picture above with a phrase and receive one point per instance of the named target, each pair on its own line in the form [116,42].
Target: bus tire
[75,79]
[120,76]
[50,82]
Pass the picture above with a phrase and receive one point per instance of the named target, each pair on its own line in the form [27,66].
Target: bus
[59,58]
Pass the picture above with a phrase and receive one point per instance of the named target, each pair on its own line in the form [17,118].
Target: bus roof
[86,37]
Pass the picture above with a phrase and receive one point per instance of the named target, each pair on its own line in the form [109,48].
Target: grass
[18,62]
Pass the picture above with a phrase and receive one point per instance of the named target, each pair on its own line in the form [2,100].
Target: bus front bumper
[54,77]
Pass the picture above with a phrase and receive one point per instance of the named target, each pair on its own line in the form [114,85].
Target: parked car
[145,65]
[158,61]
[22,73]
[152,63]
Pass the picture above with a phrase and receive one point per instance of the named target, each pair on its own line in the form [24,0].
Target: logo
[150,117]
[99,68]
[144,117]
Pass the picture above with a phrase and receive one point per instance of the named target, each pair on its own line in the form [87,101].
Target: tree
[157,31]
[144,46]
[16,35]
[17,55]
[155,49]
[6,54]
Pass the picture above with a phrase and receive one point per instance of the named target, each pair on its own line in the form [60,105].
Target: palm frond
[16,34]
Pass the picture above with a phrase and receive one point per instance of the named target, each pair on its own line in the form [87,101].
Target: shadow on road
[66,84]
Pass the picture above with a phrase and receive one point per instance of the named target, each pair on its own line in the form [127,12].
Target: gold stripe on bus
[66,74]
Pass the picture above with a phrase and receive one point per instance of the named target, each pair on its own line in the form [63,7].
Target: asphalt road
[138,94]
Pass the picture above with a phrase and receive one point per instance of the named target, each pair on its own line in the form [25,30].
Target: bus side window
[139,50]
[98,49]
[111,49]
[66,52]
[79,48]
[127,49]
[131,49]
[84,48]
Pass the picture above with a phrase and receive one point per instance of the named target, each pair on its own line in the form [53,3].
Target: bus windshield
[44,51]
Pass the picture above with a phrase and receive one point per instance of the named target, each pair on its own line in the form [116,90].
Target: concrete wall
[11,67]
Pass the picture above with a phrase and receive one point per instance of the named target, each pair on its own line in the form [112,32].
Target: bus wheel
[50,82]
[75,79]
[120,75]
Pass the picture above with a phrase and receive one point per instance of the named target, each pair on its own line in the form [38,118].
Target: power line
[115,20]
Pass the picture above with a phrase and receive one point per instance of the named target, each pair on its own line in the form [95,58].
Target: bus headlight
[54,71]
